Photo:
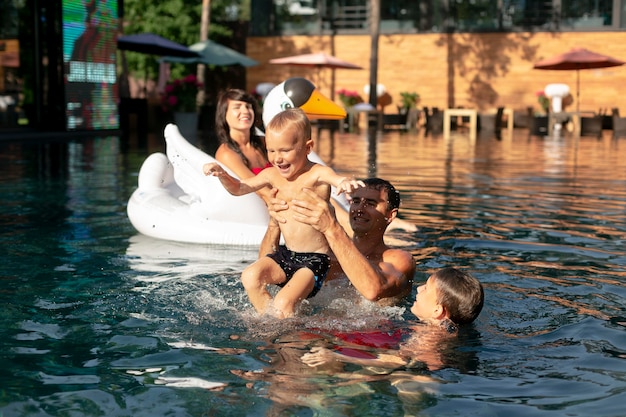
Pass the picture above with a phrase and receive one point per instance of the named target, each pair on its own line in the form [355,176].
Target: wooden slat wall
[471,70]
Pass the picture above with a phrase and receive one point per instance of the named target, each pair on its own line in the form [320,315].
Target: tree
[178,20]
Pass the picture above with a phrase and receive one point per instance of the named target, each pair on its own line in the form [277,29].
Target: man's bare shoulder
[401,259]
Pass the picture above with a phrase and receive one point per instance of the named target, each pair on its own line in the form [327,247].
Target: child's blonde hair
[295,118]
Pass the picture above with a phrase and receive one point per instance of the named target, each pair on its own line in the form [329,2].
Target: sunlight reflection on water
[99,320]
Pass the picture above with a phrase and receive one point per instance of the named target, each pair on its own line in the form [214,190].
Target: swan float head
[300,92]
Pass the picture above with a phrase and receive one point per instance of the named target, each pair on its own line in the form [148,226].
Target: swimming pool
[98,320]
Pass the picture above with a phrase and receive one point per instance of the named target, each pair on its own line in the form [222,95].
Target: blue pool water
[100,321]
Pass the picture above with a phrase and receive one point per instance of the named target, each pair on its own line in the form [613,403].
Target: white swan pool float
[176,201]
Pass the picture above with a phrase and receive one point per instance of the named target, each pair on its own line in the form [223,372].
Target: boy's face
[426,306]
[287,152]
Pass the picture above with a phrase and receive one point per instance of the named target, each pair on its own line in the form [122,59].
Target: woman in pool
[241,149]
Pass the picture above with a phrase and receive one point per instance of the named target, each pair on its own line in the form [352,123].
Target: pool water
[101,321]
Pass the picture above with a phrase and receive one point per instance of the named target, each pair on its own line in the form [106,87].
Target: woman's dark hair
[221,126]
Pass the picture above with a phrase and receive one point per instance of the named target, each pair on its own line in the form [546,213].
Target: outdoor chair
[591,126]
[434,120]
[398,120]
[489,123]
[331,125]
[619,124]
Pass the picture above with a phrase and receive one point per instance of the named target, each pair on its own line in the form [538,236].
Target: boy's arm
[320,356]
[233,185]
[343,184]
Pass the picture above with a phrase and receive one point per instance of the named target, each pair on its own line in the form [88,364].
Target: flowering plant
[543,100]
[348,98]
[180,94]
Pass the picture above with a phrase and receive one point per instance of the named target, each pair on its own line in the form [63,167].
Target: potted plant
[180,98]
[539,122]
[543,101]
[408,100]
[348,98]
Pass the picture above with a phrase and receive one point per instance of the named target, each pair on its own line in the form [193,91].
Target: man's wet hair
[393,196]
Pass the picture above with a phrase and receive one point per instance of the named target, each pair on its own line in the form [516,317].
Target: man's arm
[390,277]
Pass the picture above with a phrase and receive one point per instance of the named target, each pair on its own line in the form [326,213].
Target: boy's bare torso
[299,237]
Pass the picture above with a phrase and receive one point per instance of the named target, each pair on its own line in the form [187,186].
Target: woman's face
[239,115]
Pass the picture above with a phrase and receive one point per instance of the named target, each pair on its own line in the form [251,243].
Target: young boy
[301,265]
[449,298]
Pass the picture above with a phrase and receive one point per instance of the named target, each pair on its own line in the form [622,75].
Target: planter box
[539,125]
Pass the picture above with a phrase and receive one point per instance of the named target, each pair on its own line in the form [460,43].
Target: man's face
[368,210]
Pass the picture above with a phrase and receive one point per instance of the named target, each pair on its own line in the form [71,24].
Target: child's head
[449,294]
[288,140]
[293,119]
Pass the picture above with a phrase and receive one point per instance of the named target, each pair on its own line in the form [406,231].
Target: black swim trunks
[291,261]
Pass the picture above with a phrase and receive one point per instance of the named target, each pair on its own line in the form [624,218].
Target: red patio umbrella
[577,59]
[317,60]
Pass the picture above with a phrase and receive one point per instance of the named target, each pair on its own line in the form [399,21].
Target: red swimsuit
[256,171]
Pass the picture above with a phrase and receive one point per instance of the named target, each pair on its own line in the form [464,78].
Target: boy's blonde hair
[295,118]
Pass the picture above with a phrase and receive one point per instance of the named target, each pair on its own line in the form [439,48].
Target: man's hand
[275,206]
[314,211]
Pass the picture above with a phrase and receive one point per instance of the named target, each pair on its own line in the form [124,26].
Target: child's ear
[440,312]
[309,146]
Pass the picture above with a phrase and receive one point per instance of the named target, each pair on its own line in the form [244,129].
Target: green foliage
[177,20]
[408,99]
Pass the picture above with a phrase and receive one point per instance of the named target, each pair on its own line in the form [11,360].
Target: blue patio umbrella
[212,53]
[153,44]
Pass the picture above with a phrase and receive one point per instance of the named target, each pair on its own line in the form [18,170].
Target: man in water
[378,272]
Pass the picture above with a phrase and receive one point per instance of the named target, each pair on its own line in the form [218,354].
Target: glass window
[410,16]
[586,14]
[297,16]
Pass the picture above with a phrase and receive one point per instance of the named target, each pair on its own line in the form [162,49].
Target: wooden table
[473,115]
